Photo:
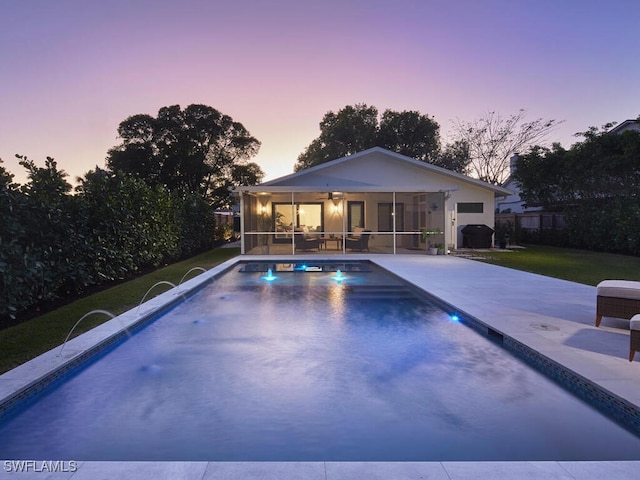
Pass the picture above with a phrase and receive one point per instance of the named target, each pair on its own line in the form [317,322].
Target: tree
[493,140]
[189,151]
[595,184]
[6,178]
[138,153]
[44,183]
[356,128]
[603,165]
[543,174]
[409,133]
[350,130]
[455,157]
[235,175]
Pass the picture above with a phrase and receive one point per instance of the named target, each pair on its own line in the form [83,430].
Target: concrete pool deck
[553,317]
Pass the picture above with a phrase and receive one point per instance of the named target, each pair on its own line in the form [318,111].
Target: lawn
[578,266]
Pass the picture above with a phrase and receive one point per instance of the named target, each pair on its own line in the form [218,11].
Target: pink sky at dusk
[71,71]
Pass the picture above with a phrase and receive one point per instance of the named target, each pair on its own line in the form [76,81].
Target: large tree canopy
[493,140]
[454,156]
[409,133]
[195,150]
[595,184]
[605,165]
[351,130]
[357,128]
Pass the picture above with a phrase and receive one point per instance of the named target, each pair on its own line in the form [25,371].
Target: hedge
[114,226]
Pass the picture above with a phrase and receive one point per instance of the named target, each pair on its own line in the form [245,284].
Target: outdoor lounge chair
[617,299]
[359,242]
[306,242]
[635,336]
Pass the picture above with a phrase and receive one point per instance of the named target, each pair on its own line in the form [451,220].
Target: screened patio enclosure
[294,220]
[374,201]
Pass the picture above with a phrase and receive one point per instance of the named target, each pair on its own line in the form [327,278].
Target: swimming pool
[310,367]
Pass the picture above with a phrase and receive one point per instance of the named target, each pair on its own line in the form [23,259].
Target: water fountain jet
[192,270]
[165,282]
[64,344]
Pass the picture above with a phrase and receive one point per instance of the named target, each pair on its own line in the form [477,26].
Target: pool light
[338,277]
[269,277]
[454,318]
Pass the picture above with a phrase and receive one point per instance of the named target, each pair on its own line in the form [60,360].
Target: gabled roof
[626,125]
[331,176]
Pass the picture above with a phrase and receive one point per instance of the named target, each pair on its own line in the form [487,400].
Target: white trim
[343,189]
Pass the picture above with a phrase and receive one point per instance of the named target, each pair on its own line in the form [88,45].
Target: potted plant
[427,236]
[502,231]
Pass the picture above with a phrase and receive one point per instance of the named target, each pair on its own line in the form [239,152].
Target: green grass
[27,340]
[578,266]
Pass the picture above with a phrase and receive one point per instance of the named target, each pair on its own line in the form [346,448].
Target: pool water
[306,367]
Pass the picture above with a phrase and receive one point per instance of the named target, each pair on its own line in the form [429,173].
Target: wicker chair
[306,242]
[635,336]
[361,242]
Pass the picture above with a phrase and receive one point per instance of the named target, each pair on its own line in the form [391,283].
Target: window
[470,207]
[386,216]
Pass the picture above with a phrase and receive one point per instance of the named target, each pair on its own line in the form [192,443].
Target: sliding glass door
[303,217]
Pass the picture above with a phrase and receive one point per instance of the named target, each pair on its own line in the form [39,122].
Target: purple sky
[71,71]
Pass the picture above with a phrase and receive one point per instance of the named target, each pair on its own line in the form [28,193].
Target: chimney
[512,163]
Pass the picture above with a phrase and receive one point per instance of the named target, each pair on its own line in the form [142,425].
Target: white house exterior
[392,197]
[626,126]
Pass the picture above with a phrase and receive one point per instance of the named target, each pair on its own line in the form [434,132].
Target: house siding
[429,195]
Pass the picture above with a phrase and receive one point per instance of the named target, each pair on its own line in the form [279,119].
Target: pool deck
[553,317]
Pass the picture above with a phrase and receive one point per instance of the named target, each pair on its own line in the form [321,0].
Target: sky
[72,70]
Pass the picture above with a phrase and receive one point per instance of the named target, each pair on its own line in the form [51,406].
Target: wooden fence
[547,228]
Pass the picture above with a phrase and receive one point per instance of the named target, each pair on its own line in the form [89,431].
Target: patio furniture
[617,299]
[306,242]
[635,336]
[358,242]
[326,240]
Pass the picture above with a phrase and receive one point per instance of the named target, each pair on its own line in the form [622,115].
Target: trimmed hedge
[56,244]
[606,225]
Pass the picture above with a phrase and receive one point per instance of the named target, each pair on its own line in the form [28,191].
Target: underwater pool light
[269,277]
[338,277]
[454,318]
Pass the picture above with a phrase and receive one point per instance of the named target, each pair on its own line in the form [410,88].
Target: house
[626,126]
[375,200]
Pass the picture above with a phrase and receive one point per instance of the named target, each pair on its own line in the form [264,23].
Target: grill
[476,236]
